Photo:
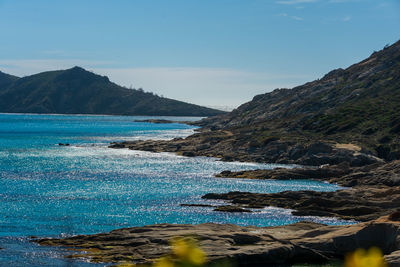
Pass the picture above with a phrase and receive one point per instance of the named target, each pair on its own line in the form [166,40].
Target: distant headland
[78,91]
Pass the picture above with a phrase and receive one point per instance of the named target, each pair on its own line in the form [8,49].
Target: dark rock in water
[188,154]
[62,144]
[303,242]
[231,209]
[117,145]
[196,205]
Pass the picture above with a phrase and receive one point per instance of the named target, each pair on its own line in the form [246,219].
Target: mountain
[6,80]
[77,91]
[350,115]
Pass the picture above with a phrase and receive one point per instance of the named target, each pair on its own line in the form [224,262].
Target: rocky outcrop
[360,203]
[232,146]
[357,105]
[393,259]
[375,174]
[348,116]
[243,246]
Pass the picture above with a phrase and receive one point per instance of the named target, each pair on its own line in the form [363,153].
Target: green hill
[358,105]
[6,80]
[349,116]
[77,91]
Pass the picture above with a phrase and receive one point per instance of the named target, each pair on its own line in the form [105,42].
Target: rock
[382,235]
[395,216]
[393,259]
[319,147]
[241,146]
[117,145]
[362,203]
[196,205]
[243,246]
[374,174]
[229,208]
[188,154]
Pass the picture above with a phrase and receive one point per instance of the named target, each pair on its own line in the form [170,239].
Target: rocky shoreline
[375,192]
[374,185]
[373,199]
[378,174]
[240,246]
[360,204]
[345,125]
[239,146]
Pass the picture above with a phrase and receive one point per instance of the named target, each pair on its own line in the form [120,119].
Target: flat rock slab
[244,246]
[359,203]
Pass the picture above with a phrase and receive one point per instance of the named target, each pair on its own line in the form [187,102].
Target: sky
[218,53]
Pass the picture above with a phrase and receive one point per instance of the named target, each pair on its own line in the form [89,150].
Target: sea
[48,190]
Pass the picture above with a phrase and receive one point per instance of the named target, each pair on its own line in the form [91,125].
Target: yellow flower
[186,250]
[362,258]
[180,248]
[163,262]
[196,256]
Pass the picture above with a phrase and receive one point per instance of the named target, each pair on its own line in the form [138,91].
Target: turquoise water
[49,190]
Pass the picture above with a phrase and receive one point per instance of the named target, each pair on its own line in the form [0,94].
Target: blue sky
[209,52]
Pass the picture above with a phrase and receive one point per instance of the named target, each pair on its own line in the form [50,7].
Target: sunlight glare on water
[52,190]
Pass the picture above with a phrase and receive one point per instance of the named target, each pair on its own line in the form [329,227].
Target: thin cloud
[297,18]
[347,18]
[340,1]
[292,17]
[295,2]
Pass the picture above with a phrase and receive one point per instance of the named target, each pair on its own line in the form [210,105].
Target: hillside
[360,105]
[77,91]
[349,113]
[6,80]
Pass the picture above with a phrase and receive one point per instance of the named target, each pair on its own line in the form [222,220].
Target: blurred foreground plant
[363,258]
[184,253]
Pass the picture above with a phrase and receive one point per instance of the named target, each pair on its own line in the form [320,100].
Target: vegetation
[186,253]
[359,105]
[6,80]
[77,91]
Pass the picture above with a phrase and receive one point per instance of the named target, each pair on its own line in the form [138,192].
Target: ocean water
[47,190]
